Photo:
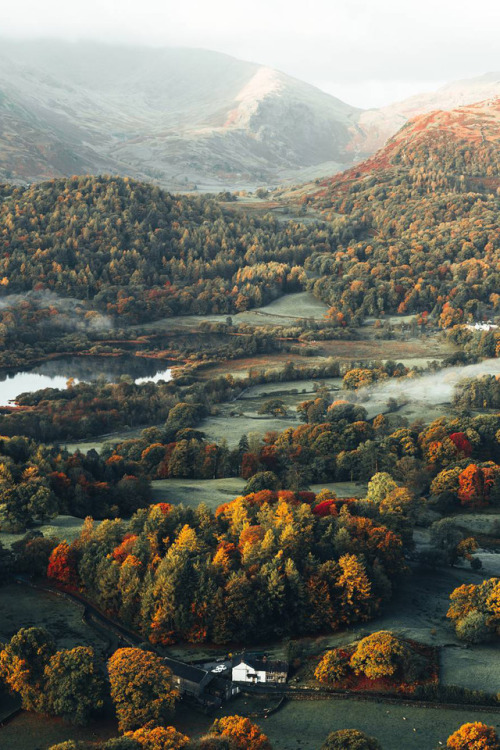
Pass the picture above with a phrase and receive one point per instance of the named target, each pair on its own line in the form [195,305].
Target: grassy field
[282,311]
[304,725]
[23,607]
[29,731]
[412,353]
[307,724]
[193,492]
[62,527]
[233,421]
[110,438]
[215,492]
[296,726]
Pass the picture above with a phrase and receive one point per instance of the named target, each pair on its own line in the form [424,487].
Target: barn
[199,684]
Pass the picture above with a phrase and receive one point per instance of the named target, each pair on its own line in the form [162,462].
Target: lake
[55,374]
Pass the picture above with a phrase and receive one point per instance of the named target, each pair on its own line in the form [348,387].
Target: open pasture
[24,607]
[62,527]
[193,492]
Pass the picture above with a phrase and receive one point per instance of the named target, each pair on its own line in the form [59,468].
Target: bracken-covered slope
[376,126]
[462,143]
[181,116]
[416,225]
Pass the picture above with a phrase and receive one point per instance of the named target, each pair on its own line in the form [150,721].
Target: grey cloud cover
[366,52]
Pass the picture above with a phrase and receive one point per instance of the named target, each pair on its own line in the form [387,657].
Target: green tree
[74,688]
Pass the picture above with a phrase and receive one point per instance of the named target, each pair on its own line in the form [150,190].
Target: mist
[368,53]
[72,311]
[433,389]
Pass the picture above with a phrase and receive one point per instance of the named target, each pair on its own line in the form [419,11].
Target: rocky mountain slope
[177,115]
[377,125]
[185,117]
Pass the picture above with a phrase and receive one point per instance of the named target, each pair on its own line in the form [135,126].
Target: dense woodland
[140,253]
[411,239]
[266,564]
[414,231]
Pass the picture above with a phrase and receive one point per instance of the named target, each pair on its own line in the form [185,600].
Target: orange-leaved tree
[141,688]
[379,655]
[333,667]
[151,737]
[474,736]
[244,734]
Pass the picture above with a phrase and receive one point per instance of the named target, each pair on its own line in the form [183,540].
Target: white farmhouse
[489,326]
[253,669]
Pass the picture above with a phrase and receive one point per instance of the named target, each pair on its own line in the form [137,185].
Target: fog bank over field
[432,389]
[75,314]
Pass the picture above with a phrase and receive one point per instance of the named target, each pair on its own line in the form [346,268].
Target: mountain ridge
[185,118]
[165,114]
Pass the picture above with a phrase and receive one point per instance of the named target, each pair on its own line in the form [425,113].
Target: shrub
[350,739]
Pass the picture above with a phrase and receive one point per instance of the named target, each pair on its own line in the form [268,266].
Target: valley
[281,428]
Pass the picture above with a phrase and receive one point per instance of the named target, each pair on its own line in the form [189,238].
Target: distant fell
[178,116]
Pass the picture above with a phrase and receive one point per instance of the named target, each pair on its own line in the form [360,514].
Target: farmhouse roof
[185,671]
[260,664]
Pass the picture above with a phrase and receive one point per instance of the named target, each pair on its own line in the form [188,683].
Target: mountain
[434,153]
[375,126]
[185,117]
[180,116]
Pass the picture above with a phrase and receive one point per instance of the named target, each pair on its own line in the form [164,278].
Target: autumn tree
[333,666]
[475,610]
[355,589]
[62,565]
[350,739]
[244,734]
[474,736]
[152,737]
[22,666]
[141,688]
[380,654]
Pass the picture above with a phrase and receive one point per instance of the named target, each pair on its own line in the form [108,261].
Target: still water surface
[55,374]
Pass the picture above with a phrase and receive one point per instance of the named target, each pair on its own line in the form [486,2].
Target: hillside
[376,126]
[463,142]
[180,116]
[414,229]
[416,225]
[141,253]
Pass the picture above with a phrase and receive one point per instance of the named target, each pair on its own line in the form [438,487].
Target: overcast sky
[367,52]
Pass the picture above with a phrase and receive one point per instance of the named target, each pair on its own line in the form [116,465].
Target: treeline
[265,565]
[141,253]
[403,240]
[337,443]
[478,393]
[39,482]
